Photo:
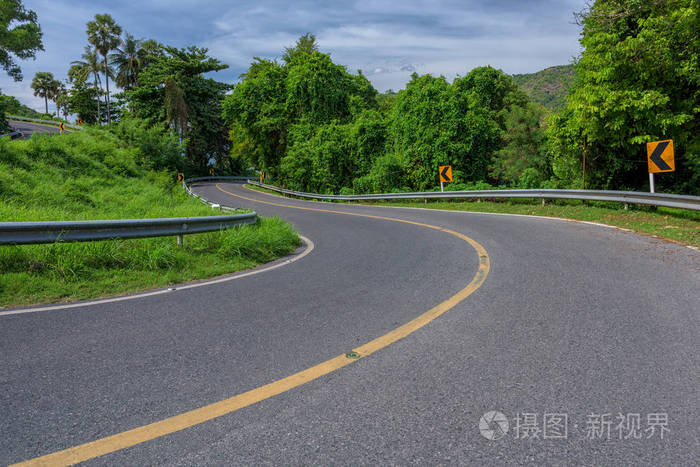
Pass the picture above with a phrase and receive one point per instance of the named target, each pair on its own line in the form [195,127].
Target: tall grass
[96,175]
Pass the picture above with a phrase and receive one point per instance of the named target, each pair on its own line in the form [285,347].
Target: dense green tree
[43,85]
[311,125]
[318,90]
[306,44]
[490,90]
[434,123]
[103,33]
[82,69]
[320,159]
[60,95]
[524,159]
[173,91]
[256,113]
[83,101]
[20,36]
[150,50]
[307,94]
[127,60]
[637,81]
[4,125]
[369,133]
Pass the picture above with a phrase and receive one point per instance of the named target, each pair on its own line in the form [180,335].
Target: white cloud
[385,38]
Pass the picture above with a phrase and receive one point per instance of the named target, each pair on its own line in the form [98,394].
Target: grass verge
[93,174]
[33,274]
[678,225]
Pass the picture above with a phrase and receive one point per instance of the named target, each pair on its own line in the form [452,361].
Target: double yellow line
[194,417]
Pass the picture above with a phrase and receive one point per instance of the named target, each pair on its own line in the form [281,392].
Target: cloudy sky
[387,40]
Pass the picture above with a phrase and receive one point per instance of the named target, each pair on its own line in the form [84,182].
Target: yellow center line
[194,417]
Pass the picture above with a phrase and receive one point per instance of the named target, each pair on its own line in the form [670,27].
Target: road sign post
[445,172]
[660,158]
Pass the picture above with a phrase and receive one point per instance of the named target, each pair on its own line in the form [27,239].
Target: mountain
[549,86]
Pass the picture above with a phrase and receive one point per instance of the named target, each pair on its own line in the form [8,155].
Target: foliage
[101,174]
[44,85]
[20,35]
[4,126]
[523,161]
[14,107]
[638,81]
[127,59]
[83,101]
[435,123]
[256,113]
[320,161]
[157,150]
[79,72]
[173,91]
[547,87]
[306,44]
[103,33]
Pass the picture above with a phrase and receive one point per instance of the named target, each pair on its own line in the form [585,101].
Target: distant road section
[28,128]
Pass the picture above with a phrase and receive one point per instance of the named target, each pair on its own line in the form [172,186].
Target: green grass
[93,175]
[73,271]
[677,225]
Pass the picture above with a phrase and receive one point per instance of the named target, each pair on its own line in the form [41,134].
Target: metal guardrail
[628,197]
[43,122]
[12,135]
[26,233]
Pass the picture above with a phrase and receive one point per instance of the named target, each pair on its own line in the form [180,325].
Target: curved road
[28,128]
[575,324]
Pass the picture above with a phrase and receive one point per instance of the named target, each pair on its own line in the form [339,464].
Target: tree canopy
[20,36]
[172,90]
[637,81]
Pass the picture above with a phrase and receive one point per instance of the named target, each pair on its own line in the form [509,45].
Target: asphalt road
[28,128]
[575,323]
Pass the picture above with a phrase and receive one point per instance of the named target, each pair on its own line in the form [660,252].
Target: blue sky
[387,40]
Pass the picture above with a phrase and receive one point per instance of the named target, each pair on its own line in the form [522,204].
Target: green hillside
[101,174]
[12,106]
[549,86]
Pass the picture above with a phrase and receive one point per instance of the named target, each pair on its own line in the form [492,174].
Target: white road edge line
[309,247]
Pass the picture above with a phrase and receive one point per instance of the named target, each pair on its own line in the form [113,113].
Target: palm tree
[127,59]
[104,34]
[43,84]
[149,51]
[89,65]
[58,93]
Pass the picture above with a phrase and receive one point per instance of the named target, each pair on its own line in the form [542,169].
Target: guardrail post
[543,202]
[179,240]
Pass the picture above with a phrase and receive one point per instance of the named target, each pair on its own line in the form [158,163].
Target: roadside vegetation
[121,173]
